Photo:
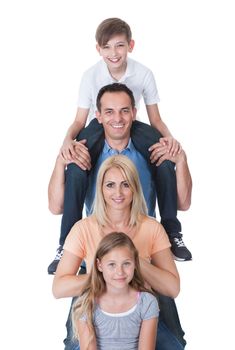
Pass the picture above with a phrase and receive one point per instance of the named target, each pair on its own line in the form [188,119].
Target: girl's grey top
[121,331]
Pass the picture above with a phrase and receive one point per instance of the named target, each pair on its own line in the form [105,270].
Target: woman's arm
[148,334]
[161,274]
[66,282]
[84,336]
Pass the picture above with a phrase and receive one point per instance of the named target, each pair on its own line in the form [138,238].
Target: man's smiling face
[116,116]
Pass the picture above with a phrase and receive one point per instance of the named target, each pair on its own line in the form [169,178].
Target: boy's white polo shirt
[137,77]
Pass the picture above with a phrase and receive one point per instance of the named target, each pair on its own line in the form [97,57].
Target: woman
[119,206]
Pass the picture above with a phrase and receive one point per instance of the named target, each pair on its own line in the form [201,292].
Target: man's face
[117,115]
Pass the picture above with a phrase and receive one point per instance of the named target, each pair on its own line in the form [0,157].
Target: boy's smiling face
[115,52]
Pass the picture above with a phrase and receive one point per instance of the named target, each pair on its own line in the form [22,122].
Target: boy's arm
[156,121]
[68,150]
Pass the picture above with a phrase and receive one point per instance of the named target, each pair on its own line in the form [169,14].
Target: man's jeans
[76,179]
[169,335]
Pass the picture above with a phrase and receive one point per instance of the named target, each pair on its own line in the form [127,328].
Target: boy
[114,42]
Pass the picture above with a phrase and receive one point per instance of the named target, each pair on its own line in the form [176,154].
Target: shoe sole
[180,259]
[51,273]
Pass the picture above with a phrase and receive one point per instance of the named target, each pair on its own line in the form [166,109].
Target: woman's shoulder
[149,221]
[84,226]
[87,222]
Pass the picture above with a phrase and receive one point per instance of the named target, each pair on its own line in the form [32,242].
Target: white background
[45,47]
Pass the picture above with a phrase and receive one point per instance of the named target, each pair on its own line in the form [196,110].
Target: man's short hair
[111,27]
[115,87]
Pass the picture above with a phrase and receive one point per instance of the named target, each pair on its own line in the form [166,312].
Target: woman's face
[116,190]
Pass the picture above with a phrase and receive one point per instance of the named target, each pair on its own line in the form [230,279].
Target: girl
[115,310]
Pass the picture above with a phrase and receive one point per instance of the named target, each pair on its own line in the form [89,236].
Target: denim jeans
[76,179]
[143,136]
[169,337]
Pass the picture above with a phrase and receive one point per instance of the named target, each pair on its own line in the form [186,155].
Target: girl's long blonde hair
[128,169]
[95,286]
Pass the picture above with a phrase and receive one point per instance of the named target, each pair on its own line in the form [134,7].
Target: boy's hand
[166,145]
[67,150]
[172,144]
[179,157]
[82,157]
[157,150]
[77,153]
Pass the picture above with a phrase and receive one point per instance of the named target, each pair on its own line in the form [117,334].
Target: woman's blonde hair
[95,286]
[128,169]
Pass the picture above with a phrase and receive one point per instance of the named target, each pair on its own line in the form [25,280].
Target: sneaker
[53,266]
[178,248]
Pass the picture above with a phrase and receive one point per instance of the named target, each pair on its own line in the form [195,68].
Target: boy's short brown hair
[110,27]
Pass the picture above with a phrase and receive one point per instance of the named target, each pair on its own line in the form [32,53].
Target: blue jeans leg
[166,187]
[69,342]
[143,136]
[166,340]
[76,182]
[94,134]
[76,179]
[170,318]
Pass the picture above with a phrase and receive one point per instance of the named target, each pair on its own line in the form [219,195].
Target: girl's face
[118,267]
[116,190]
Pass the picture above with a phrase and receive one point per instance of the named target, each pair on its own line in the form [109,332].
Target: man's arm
[56,187]
[57,180]
[184,181]
[183,177]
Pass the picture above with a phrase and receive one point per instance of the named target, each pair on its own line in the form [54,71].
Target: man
[116,112]
[163,181]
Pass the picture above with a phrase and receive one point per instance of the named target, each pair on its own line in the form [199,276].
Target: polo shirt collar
[129,70]
[108,149]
